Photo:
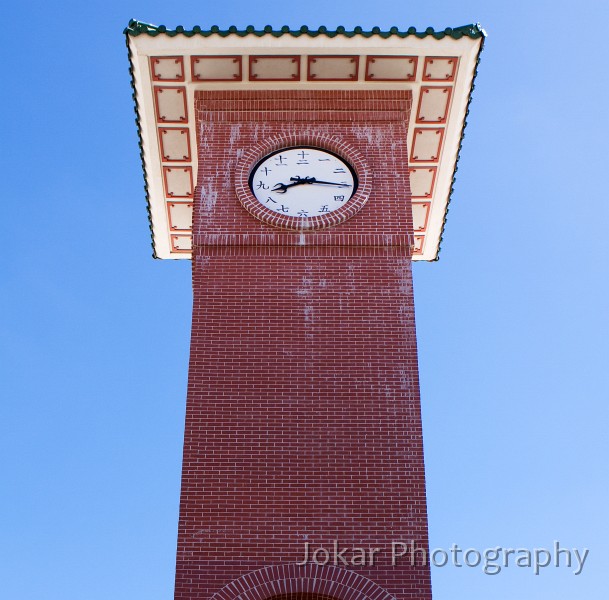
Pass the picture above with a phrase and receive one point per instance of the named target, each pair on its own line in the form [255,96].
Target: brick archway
[308,582]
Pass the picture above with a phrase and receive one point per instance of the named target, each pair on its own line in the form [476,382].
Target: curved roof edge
[135,28]
[454,177]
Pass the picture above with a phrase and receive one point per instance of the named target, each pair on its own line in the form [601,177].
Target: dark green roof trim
[454,178]
[140,142]
[138,28]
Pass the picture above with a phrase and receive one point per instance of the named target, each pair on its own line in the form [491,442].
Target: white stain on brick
[235,134]
[209,196]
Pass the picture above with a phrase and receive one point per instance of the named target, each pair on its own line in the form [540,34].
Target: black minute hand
[282,188]
[330,183]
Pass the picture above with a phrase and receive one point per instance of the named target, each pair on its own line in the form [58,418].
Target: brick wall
[303,419]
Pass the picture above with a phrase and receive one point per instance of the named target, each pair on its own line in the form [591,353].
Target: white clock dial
[303,182]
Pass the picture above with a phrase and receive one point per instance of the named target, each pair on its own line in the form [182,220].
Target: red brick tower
[323,166]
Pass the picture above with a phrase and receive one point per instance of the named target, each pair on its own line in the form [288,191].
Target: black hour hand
[281,188]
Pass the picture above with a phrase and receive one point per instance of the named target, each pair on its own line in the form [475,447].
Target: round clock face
[303,182]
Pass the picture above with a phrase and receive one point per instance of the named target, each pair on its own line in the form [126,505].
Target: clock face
[303,182]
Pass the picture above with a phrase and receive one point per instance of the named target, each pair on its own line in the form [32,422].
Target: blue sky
[512,321]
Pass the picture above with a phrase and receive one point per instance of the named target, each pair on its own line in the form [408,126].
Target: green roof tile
[138,28]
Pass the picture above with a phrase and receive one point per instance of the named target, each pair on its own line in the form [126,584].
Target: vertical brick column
[303,419]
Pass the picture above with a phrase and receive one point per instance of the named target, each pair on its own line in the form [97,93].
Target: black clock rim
[307,147]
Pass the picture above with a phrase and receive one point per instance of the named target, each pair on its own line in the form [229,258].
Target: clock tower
[302,172]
